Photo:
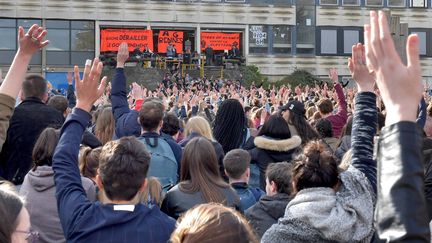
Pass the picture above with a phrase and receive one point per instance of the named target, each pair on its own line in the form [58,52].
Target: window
[72,42]
[258,39]
[418,3]
[396,3]
[335,41]
[350,2]
[329,2]
[305,18]
[328,41]
[281,39]
[374,2]
[425,36]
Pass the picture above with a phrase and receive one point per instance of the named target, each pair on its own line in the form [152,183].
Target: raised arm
[29,44]
[70,194]
[70,91]
[126,120]
[340,95]
[401,209]
[365,117]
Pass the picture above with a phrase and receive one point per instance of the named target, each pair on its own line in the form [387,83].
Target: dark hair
[34,86]
[315,167]
[123,167]
[304,129]
[171,124]
[324,128]
[200,171]
[325,106]
[58,102]
[275,127]
[89,161]
[10,207]
[105,125]
[208,223]
[280,174]
[43,150]
[236,162]
[230,125]
[151,114]
[381,121]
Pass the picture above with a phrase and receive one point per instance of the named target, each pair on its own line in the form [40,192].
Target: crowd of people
[214,161]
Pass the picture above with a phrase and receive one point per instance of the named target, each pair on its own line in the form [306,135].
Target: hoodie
[39,190]
[268,150]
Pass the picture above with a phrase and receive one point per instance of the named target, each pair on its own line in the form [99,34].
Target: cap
[295,107]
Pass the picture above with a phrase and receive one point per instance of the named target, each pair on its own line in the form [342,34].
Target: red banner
[219,41]
[165,37]
[112,38]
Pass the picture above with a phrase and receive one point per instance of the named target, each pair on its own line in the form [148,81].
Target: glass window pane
[27,23]
[328,41]
[8,23]
[279,50]
[281,35]
[305,18]
[58,57]
[328,2]
[258,39]
[59,40]
[351,37]
[396,3]
[6,57]
[82,40]
[57,24]
[8,39]
[81,25]
[423,39]
[36,59]
[374,2]
[418,3]
[79,58]
[351,2]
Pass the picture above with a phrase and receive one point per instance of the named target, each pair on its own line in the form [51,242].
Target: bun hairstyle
[315,167]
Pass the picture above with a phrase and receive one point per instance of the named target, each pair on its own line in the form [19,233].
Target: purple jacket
[339,119]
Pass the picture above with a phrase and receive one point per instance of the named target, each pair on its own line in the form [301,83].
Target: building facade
[278,36]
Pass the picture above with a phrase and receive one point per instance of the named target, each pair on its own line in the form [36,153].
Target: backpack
[163,164]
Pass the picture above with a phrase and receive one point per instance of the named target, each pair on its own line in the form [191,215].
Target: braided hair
[230,125]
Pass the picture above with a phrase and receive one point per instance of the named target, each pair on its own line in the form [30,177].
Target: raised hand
[333,74]
[359,71]
[400,86]
[122,55]
[91,87]
[69,78]
[32,41]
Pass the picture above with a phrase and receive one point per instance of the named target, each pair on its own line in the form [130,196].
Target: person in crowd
[123,166]
[345,143]
[274,143]
[236,163]
[153,194]
[325,130]
[209,54]
[428,125]
[197,126]
[14,220]
[325,107]
[39,190]
[235,51]
[137,52]
[32,115]
[170,51]
[330,205]
[170,126]
[89,162]
[230,125]
[208,223]
[105,125]
[200,181]
[271,207]
[294,113]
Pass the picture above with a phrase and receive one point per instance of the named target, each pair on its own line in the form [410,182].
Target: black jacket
[176,202]
[268,150]
[401,209]
[29,119]
[266,212]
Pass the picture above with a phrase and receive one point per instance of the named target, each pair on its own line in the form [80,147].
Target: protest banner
[219,41]
[166,36]
[112,38]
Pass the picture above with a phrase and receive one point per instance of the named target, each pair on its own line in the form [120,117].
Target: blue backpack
[163,164]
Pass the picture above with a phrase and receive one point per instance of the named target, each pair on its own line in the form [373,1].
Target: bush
[252,74]
[300,78]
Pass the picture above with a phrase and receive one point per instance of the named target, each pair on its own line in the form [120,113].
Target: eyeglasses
[32,236]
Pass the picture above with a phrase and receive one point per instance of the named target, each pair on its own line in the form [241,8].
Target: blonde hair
[105,125]
[213,222]
[152,192]
[199,125]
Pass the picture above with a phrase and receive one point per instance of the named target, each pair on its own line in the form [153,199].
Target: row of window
[377,3]
[71,42]
[325,41]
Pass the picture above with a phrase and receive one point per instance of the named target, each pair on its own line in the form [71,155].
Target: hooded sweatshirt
[39,190]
